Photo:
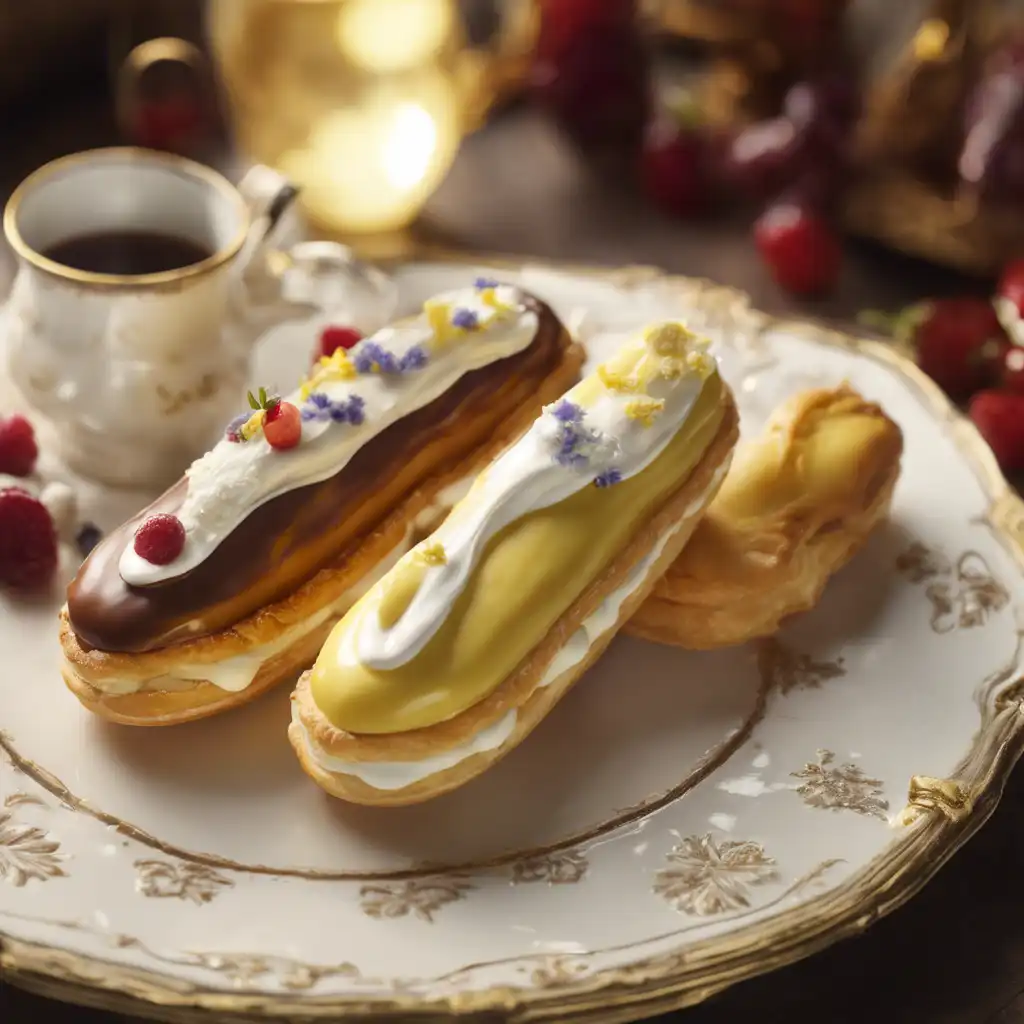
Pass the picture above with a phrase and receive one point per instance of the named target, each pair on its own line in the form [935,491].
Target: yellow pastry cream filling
[525,578]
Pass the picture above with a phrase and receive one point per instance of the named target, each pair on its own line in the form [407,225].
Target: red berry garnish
[999,416]
[800,248]
[333,338]
[672,166]
[28,540]
[1009,300]
[160,539]
[282,425]
[18,449]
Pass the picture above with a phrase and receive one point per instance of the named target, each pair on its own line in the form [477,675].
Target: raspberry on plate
[18,449]
[160,539]
[28,540]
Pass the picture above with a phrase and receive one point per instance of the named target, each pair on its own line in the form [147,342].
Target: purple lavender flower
[415,358]
[465,318]
[373,356]
[567,412]
[608,478]
[316,407]
[483,283]
[231,431]
[356,410]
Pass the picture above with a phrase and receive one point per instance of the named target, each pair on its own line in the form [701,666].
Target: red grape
[991,161]
[596,85]
[764,157]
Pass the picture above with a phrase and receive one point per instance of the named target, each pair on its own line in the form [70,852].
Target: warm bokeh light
[370,167]
[385,36]
[362,102]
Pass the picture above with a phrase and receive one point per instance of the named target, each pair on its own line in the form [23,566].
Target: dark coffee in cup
[127,253]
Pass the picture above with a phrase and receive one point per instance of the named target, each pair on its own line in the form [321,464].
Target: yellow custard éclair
[457,652]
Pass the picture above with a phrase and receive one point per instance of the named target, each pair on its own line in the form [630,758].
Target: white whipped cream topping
[236,673]
[232,479]
[392,775]
[525,479]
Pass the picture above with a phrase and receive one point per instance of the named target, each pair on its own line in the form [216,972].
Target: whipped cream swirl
[572,445]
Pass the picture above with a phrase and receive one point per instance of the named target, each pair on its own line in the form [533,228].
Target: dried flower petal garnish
[571,441]
[233,431]
[433,554]
[608,478]
[320,406]
[644,410]
[465,319]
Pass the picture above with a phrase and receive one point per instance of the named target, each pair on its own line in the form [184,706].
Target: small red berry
[169,123]
[28,540]
[18,448]
[999,416]
[801,250]
[959,344]
[1012,378]
[672,166]
[1009,300]
[282,425]
[160,539]
[332,338]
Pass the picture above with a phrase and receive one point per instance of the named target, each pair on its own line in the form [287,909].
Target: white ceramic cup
[140,373]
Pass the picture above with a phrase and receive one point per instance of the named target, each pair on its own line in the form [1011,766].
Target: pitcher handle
[282,279]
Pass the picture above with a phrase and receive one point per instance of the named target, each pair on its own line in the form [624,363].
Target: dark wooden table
[955,955]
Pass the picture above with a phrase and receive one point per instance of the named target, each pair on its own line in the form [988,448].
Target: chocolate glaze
[285,541]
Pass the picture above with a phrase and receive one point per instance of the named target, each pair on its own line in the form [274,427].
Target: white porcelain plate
[680,822]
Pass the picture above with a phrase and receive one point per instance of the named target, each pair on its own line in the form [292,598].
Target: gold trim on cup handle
[164,49]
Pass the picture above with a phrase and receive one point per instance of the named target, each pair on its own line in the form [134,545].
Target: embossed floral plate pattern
[681,821]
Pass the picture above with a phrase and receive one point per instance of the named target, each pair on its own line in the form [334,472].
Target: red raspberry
[1009,300]
[959,342]
[170,123]
[799,247]
[332,338]
[160,539]
[999,416]
[282,425]
[28,540]
[18,448]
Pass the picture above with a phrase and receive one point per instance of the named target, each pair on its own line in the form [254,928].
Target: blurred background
[833,157]
[889,119]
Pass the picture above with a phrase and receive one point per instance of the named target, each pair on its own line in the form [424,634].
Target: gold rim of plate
[940,815]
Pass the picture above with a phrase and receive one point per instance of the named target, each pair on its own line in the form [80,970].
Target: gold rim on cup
[182,165]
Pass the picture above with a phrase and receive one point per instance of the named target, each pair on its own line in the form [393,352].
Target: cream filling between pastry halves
[395,775]
[237,673]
